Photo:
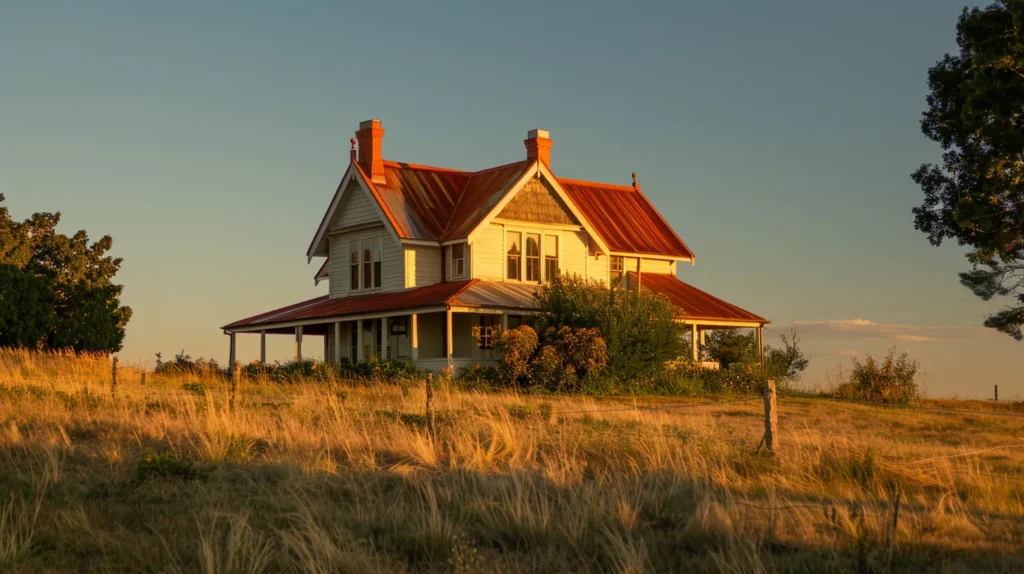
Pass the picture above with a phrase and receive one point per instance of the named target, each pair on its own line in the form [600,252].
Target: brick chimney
[538,146]
[370,136]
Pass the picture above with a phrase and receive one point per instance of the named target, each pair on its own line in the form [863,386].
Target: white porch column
[504,322]
[760,347]
[337,342]
[231,355]
[414,337]
[298,344]
[702,331]
[449,344]
[359,340]
[693,340]
[263,348]
[383,338]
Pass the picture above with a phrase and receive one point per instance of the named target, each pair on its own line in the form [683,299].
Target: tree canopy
[56,291]
[976,197]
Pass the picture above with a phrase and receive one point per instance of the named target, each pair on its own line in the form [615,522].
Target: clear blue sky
[776,137]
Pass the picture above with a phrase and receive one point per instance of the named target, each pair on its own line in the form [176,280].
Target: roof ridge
[497,167]
[613,186]
[462,193]
[405,164]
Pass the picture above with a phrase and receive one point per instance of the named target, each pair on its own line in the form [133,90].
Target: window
[617,271]
[514,240]
[353,278]
[378,266]
[550,256]
[365,263]
[458,264]
[486,332]
[533,257]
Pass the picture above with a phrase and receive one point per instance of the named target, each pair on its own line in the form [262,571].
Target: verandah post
[414,334]
[298,344]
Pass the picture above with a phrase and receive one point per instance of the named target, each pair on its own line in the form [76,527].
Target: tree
[976,197]
[729,346]
[787,362]
[56,291]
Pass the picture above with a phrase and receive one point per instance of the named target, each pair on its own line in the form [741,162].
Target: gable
[355,209]
[537,202]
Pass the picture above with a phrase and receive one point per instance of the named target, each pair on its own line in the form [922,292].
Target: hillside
[316,477]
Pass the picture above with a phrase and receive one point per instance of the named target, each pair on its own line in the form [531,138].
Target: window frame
[457,265]
[616,273]
[524,233]
[369,264]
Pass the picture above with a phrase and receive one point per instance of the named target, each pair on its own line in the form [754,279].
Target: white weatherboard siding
[573,257]
[597,264]
[356,208]
[488,254]
[393,264]
[423,265]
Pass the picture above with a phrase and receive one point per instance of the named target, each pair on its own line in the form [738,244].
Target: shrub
[891,380]
[474,377]
[183,364]
[546,368]
[194,387]
[639,329]
[583,350]
[516,347]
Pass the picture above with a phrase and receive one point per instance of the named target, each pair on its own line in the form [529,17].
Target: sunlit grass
[315,477]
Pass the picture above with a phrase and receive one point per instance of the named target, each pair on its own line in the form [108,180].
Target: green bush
[891,380]
[546,368]
[639,330]
[478,377]
[195,388]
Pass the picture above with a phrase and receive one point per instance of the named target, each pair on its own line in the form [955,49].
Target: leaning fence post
[430,404]
[236,375]
[113,378]
[771,418]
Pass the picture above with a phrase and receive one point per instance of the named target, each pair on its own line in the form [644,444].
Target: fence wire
[910,407]
[655,407]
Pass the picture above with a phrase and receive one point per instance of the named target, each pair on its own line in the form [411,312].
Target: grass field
[345,478]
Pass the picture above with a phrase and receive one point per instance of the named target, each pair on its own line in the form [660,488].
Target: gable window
[514,240]
[617,271]
[533,257]
[365,263]
[550,256]
[458,260]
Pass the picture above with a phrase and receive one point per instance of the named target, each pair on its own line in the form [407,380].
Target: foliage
[376,370]
[891,380]
[976,114]
[731,346]
[194,387]
[516,347]
[55,290]
[639,330]
[479,377]
[784,364]
[183,364]
[164,465]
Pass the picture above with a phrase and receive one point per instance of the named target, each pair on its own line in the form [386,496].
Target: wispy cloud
[865,329]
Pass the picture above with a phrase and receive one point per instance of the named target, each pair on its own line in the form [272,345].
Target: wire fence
[909,407]
[656,407]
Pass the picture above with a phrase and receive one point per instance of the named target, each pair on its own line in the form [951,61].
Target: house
[428,264]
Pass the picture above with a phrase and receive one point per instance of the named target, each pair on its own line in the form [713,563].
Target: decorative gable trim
[538,169]
[354,173]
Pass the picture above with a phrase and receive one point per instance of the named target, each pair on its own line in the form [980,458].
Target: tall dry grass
[338,478]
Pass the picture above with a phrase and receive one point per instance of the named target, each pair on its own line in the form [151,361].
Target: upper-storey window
[515,252]
[366,263]
[533,257]
[617,272]
[550,256]
[457,267]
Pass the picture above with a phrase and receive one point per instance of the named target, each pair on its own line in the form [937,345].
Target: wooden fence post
[236,376]
[113,378]
[430,404]
[771,418]
[143,379]
[997,393]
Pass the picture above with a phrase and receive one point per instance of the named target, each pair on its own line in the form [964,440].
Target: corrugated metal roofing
[694,303]
[324,307]
[495,294]
[625,219]
[483,191]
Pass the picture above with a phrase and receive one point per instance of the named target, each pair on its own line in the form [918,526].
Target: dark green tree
[56,291]
[976,197]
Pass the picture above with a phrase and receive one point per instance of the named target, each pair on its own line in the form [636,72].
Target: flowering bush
[516,347]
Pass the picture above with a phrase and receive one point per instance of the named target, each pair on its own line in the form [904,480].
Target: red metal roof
[625,219]
[324,307]
[438,204]
[694,303]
